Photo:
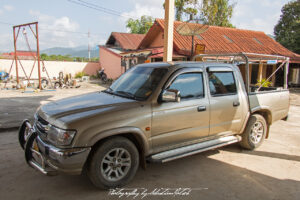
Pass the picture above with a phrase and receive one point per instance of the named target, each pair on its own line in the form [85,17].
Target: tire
[104,78]
[57,85]
[254,133]
[44,84]
[103,169]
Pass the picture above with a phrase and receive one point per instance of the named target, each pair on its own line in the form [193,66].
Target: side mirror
[171,95]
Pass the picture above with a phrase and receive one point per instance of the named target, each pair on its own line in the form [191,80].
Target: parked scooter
[102,75]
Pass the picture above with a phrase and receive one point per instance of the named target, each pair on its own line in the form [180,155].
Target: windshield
[138,83]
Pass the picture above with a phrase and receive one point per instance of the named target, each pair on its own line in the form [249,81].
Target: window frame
[187,71]
[216,70]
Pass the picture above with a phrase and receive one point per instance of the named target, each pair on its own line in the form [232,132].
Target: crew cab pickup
[155,112]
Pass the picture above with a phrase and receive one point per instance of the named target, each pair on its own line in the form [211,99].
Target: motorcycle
[102,75]
[4,76]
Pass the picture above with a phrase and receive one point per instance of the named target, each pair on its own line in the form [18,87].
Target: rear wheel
[104,78]
[254,133]
[114,163]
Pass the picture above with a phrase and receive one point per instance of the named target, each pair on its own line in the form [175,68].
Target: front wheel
[254,133]
[114,163]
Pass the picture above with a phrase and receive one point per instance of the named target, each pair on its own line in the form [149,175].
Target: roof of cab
[183,64]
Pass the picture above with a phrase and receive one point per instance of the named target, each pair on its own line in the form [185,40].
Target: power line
[44,29]
[100,8]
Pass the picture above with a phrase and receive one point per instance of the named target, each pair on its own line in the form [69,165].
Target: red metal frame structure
[36,35]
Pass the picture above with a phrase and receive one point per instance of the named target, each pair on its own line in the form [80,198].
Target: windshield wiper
[127,94]
[109,91]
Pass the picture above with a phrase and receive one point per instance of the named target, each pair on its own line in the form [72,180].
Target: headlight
[59,136]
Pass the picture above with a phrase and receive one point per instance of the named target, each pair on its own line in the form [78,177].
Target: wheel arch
[267,115]
[135,135]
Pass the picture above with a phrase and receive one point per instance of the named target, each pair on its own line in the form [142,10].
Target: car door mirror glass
[171,95]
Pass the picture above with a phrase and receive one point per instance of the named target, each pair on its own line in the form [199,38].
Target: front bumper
[48,159]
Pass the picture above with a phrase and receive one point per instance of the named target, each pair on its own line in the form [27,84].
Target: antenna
[191,28]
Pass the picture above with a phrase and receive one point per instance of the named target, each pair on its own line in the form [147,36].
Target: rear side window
[222,83]
[190,85]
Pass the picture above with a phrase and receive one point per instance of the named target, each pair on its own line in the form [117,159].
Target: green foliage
[185,7]
[263,83]
[287,30]
[92,77]
[217,12]
[45,57]
[211,12]
[140,26]
[80,74]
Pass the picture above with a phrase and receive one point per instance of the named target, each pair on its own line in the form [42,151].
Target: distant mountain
[80,51]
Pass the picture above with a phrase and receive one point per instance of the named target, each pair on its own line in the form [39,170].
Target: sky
[66,23]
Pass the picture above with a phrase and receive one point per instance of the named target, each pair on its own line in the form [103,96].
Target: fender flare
[136,132]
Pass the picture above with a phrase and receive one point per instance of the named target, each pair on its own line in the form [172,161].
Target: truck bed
[276,102]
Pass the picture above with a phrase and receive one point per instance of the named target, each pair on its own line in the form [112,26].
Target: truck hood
[82,103]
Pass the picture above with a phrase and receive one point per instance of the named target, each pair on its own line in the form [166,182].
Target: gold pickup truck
[155,112]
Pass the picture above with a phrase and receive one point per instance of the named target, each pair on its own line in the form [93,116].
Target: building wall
[111,62]
[53,68]
[158,40]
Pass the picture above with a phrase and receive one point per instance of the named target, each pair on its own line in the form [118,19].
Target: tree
[217,12]
[185,7]
[140,26]
[287,30]
[211,12]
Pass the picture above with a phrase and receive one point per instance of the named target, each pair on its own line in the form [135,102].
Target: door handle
[201,108]
[236,103]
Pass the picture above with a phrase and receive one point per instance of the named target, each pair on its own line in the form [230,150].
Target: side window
[222,83]
[190,85]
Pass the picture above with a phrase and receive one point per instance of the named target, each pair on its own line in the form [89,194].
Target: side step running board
[193,149]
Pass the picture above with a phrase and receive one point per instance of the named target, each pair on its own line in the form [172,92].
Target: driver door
[177,124]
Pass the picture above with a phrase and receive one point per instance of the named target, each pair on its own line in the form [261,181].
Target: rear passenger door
[226,112]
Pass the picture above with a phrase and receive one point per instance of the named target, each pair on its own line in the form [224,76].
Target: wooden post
[274,77]
[286,73]
[168,32]
[260,71]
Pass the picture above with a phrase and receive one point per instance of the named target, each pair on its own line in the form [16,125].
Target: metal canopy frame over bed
[249,58]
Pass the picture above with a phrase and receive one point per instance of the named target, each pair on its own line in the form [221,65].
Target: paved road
[270,172]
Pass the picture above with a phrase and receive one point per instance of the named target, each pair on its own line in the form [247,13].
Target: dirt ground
[16,105]
[270,172]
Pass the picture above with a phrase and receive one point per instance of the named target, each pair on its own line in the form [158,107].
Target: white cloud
[8,7]
[152,8]
[260,15]
[57,31]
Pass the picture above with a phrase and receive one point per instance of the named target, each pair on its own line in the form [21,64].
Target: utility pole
[16,58]
[89,48]
[38,53]
[168,32]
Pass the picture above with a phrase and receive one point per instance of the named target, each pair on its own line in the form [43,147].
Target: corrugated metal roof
[128,41]
[216,42]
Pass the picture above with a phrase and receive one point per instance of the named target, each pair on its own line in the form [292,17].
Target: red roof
[223,40]
[21,53]
[128,41]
